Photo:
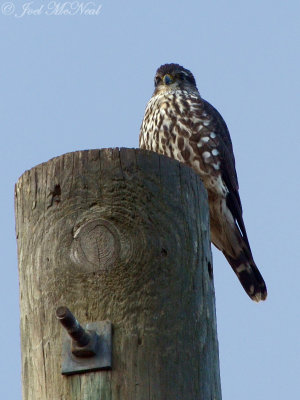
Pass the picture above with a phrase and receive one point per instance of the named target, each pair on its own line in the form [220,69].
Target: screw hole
[164,252]
[210,270]
[57,190]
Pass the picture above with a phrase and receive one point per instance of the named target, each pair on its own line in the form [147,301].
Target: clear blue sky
[80,82]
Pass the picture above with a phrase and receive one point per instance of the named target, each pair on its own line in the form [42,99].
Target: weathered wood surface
[120,235]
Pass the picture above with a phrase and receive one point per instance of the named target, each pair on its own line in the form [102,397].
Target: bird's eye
[157,80]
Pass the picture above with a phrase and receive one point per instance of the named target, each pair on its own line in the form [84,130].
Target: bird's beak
[168,79]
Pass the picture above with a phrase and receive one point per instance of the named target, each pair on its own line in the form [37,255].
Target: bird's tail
[249,276]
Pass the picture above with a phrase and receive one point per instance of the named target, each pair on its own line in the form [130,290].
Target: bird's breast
[164,122]
[176,125]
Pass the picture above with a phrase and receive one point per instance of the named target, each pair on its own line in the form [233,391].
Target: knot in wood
[96,245]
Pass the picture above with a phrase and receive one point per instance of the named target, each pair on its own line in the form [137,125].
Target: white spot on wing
[205,139]
[206,154]
[212,135]
[215,152]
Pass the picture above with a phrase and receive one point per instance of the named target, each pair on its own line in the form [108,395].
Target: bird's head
[173,77]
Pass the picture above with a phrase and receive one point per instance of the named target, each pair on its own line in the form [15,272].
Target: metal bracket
[84,350]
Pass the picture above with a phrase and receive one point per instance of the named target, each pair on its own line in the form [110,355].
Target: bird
[180,124]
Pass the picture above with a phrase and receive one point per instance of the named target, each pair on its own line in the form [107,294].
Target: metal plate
[103,358]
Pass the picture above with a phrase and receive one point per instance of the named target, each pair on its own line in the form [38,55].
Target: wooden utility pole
[119,235]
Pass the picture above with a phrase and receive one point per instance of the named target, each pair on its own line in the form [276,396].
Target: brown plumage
[180,124]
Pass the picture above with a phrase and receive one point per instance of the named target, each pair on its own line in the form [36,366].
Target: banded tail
[249,276]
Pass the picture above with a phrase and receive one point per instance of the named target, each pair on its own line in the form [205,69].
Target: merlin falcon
[179,124]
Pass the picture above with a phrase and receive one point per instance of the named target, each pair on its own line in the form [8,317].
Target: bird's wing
[227,166]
